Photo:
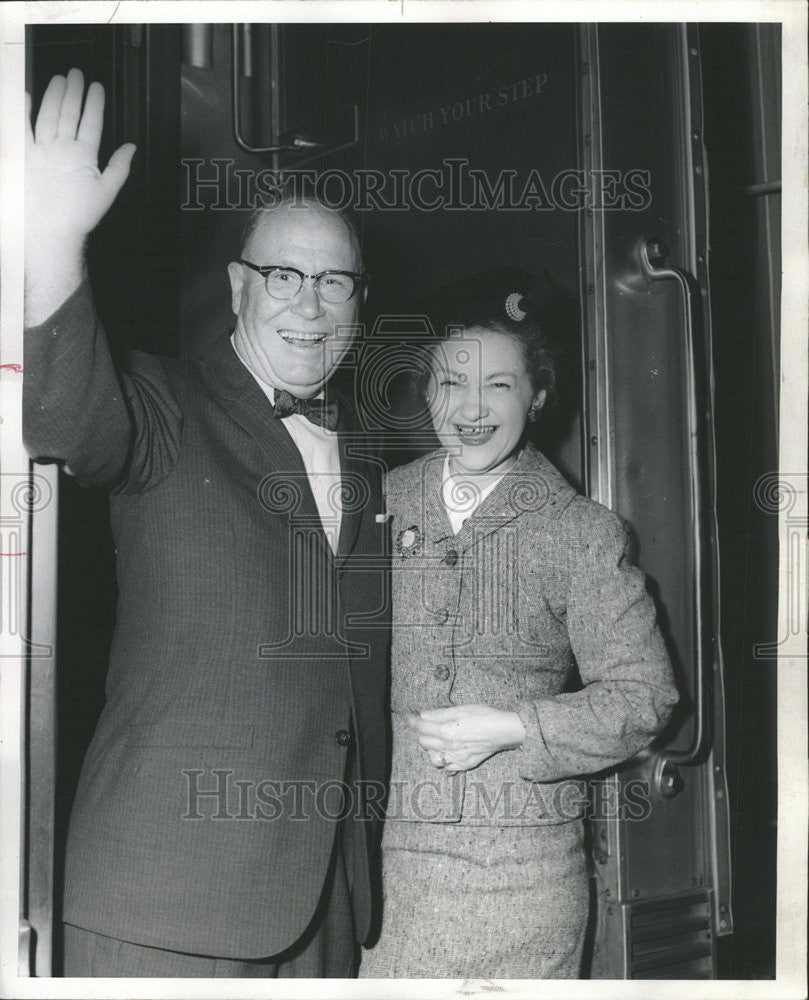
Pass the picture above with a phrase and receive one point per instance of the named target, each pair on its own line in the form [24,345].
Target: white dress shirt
[321,459]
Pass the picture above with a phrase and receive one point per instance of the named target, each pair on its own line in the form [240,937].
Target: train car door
[521,144]
[664,892]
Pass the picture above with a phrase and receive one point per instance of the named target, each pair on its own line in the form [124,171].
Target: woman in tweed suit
[525,655]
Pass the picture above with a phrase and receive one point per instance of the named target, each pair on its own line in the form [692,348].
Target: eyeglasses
[286,282]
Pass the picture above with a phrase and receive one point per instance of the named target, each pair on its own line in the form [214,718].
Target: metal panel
[30,523]
[41,509]
[650,450]
[673,939]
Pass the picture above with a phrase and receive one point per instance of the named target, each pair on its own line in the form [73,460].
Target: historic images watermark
[219,185]
[499,616]
[219,794]
[496,604]
[778,494]
[23,495]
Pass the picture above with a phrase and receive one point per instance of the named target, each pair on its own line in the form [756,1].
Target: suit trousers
[325,951]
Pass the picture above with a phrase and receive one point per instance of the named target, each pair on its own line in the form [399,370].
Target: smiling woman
[506,583]
[480,394]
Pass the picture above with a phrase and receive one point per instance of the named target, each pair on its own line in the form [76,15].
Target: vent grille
[672,939]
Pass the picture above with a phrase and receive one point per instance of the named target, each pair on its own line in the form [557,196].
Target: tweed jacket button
[441,673]
[441,615]
[451,558]
[343,737]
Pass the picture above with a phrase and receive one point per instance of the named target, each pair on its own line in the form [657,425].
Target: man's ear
[539,399]
[236,275]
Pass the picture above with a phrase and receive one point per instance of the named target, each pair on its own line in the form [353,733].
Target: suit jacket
[532,599]
[246,662]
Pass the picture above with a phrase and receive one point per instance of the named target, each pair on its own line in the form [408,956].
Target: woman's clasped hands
[461,737]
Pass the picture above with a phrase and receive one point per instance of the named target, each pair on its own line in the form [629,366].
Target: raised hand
[66,194]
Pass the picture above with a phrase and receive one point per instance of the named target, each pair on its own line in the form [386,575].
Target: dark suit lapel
[239,393]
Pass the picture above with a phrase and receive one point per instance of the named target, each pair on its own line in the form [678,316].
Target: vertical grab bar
[243,67]
[653,253]
[298,143]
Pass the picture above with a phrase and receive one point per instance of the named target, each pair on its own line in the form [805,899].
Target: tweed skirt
[465,902]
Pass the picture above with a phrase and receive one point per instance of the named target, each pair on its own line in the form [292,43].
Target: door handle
[289,142]
[653,253]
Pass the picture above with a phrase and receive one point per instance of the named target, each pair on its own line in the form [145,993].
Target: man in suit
[224,823]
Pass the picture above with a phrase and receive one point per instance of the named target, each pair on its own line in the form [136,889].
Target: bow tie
[317,411]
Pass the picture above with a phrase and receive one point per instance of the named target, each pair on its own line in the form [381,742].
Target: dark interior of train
[489,95]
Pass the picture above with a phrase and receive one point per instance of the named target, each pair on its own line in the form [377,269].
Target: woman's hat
[503,293]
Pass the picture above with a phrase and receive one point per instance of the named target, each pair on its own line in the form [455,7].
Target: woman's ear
[537,404]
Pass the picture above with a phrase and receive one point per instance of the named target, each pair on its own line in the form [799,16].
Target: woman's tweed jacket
[535,585]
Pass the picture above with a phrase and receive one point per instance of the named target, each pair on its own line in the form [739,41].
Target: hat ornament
[512,307]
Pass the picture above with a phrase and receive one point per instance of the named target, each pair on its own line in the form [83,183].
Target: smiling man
[219,828]
[296,311]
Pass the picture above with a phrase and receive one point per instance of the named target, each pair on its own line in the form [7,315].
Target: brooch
[408,542]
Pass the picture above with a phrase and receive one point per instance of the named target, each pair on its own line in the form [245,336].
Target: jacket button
[441,673]
[441,615]
[451,558]
[343,737]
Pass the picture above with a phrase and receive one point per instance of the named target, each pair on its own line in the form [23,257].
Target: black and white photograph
[403,499]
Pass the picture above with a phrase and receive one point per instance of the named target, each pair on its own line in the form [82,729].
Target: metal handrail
[653,253]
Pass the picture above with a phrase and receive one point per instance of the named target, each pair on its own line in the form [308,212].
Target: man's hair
[258,215]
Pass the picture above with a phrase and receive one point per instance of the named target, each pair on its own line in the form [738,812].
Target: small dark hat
[504,294]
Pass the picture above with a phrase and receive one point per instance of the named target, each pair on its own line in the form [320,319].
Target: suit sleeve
[628,692]
[117,430]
